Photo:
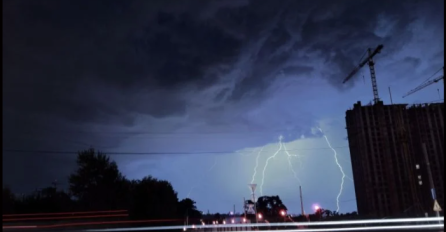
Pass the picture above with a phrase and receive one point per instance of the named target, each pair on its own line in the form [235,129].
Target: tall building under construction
[389,166]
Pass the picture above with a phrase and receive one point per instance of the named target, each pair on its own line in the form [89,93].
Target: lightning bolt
[289,156]
[193,187]
[291,164]
[340,169]
[257,165]
[267,162]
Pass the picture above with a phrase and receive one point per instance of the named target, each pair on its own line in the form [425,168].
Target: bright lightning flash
[340,169]
[291,164]
[281,146]
[257,165]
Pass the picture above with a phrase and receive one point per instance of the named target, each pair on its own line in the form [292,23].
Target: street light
[283,213]
[260,216]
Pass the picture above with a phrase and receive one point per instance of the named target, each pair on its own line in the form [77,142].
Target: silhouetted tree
[97,182]
[217,217]
[53,200]
[154,199]
[186,207]
[9,201]
[270,206]
[46,200]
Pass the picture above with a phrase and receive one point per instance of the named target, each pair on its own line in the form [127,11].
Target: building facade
[385,155]
[427,127]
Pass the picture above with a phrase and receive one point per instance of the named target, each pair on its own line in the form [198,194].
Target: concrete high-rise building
[385,156]
[427,126]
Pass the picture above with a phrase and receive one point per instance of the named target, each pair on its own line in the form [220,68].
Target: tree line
[272,209]
[98,185]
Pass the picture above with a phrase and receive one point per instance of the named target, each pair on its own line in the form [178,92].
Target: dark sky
[206,85]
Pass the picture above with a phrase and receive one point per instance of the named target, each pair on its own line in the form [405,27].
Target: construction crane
[425,84]
[369,60]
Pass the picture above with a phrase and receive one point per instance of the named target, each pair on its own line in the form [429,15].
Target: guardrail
[351,225]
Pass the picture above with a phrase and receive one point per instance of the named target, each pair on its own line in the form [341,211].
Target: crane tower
[368,60]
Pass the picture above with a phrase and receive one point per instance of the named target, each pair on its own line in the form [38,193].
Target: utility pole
[187,217]
[301,201]
[244,207]
[437,208]
[234,210]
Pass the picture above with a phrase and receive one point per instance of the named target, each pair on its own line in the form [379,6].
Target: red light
[283,213]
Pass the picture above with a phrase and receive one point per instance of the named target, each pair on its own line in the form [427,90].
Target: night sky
[191,91]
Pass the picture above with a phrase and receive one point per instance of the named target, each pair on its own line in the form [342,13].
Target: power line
[151,153]
[172,133]
[350,200]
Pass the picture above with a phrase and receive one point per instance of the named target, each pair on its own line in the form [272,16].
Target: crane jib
[376,51]
[366,60]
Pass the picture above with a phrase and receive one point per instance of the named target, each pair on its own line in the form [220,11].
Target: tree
[97,182]
[46,200]
[9,201]
[153,199]
[270,206]
[53,200]
[186,207]
[246,206]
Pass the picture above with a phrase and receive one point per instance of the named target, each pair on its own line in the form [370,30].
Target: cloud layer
[202,76]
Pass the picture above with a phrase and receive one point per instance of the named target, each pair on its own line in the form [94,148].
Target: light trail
[195,185]
[341,189]
[326,223]
[66,217]
[257,165]
[267,162]
[64,213]
[95,223]
[19,227]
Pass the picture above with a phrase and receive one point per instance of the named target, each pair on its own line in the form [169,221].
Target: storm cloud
[236,74]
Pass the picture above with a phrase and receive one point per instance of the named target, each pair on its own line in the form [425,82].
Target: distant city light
[232,221]
[244,219]
[260,216]
[282,212]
